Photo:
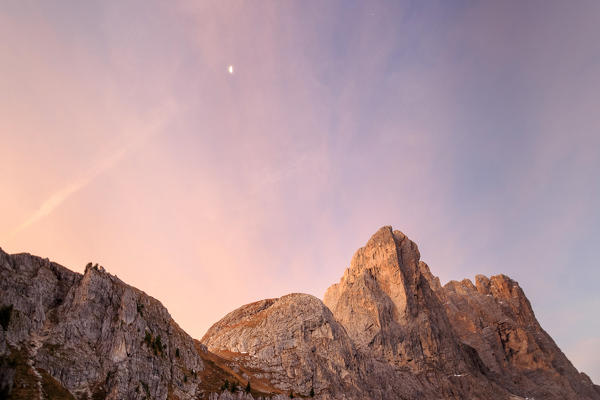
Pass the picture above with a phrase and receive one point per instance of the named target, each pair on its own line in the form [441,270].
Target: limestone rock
[494,317]
[93,334]
[296,342]
[387,330]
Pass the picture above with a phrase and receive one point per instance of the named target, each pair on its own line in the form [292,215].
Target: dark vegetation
[5,314]
[146,388]
[225,385]
[154,343]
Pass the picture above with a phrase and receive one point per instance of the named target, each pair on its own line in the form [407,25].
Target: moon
[230,69]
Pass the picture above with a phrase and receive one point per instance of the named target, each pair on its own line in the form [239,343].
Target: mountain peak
[388,329]
[387,294]
[388,263]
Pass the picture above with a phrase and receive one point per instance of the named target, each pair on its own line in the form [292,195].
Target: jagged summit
[385,296]
[471,340]
[389,258]
[386,330]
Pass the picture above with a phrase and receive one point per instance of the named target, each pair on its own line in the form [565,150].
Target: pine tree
[248,388]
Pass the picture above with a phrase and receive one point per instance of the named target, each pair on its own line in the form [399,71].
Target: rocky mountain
[387,330]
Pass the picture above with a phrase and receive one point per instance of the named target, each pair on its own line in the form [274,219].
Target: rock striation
[494,317]
[387,330]
[409,336]
[88,336]
[294,340]
[390,310]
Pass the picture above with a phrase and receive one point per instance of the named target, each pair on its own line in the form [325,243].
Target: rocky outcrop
[387,302]
[495,318]
[302,350]
[390,310]
[387,330]
[408,336]
[91,334]
[295,341]
[392,306]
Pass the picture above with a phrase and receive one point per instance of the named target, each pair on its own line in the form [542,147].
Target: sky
[473,127]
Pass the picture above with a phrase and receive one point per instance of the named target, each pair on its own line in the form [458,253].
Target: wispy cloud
[56,199]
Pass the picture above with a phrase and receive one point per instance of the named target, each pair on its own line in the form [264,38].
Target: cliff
[387,330]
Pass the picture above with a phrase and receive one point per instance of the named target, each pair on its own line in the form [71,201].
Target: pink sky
[472,128]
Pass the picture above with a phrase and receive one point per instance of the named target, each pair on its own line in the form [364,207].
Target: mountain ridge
[387,330]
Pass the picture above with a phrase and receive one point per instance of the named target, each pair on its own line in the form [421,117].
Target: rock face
[296,342]
[387,330]
[409,336]
[389,309]
[387,302]
[91,334]
[494,317]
